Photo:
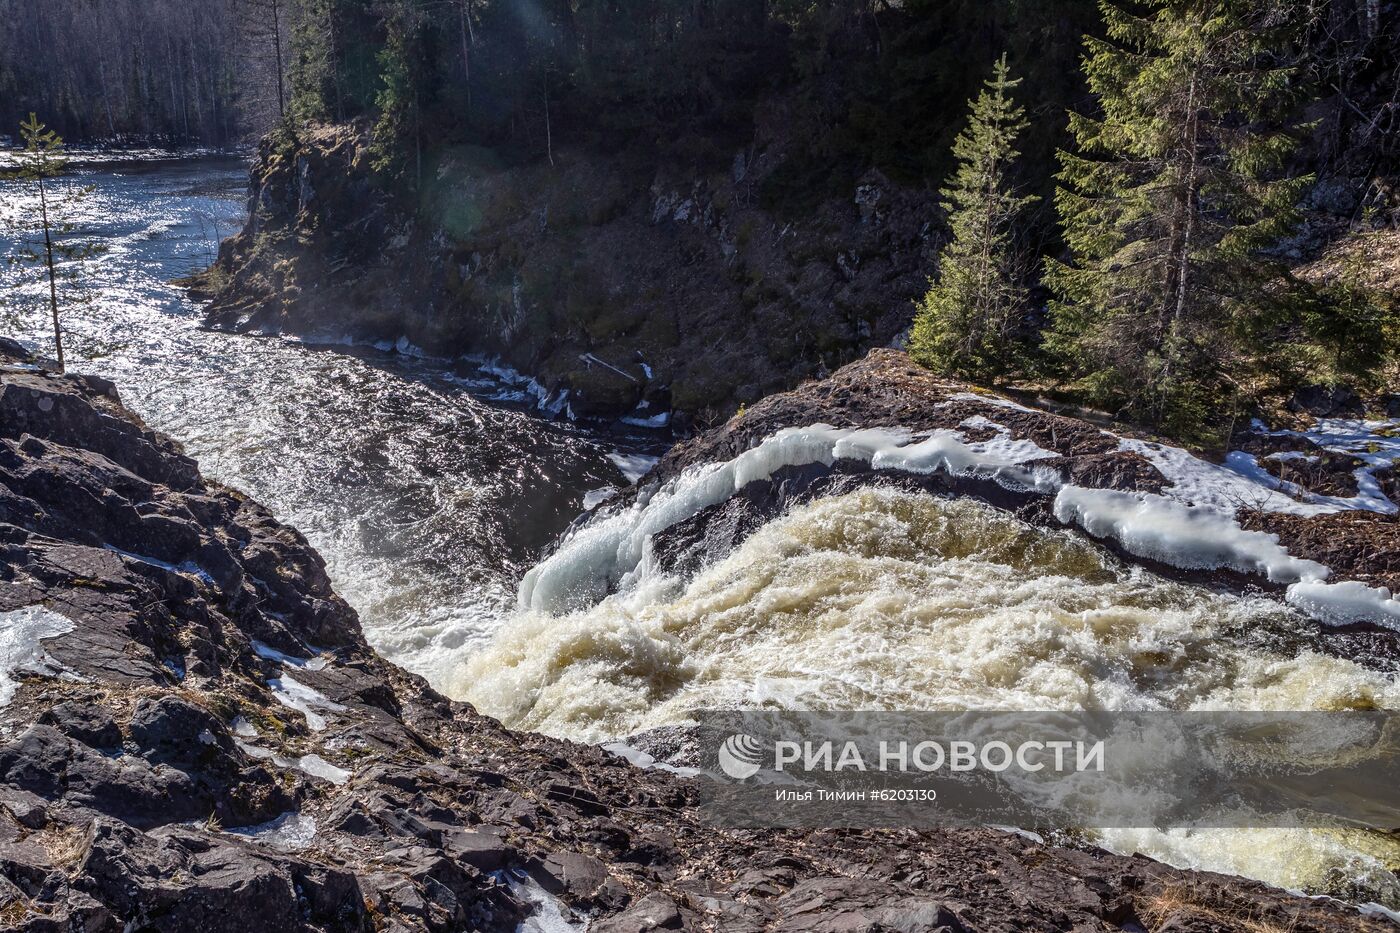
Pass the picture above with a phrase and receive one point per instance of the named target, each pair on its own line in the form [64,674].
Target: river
[431,488]
[428,492]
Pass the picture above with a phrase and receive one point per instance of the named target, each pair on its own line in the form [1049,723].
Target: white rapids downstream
[431,495]
[885,599]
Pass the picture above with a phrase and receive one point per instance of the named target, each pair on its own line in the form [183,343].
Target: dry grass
[15,912]
[1372,256]
[1161,907]
[65,845]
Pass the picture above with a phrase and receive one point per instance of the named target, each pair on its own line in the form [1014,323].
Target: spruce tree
[1170,202]
[966,323]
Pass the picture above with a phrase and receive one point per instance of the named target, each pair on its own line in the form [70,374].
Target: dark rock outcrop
[212,746]
[615,278]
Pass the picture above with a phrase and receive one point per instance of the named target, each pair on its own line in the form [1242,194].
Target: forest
[1123,199]
[201,72]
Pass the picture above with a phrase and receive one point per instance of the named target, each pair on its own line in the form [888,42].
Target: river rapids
[432,490]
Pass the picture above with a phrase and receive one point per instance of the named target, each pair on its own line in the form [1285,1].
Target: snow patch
[312,764]
[290,832]
[1191,525]
[188,568]
[22,632]
[996,400]
[641,759]
[316,766]
[1190,537]
[294,694]
[270,653]
[1345,603]
[1375,443]
[515,386]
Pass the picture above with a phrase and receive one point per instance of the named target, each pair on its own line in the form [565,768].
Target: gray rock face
[151,779]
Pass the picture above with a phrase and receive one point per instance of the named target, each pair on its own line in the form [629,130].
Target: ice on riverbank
[22,634]
[1190,525]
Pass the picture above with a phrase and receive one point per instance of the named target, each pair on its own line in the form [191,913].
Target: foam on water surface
[887,599]
[605,552]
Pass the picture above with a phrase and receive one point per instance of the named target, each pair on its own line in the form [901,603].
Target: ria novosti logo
[739,756]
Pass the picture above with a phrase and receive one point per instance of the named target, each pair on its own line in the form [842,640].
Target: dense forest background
[176,71]
[865,82]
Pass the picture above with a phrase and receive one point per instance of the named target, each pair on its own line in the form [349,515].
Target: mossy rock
[659,331]
[702,385]
[596,391]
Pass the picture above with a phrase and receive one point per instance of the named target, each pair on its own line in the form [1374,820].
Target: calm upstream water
[428,494]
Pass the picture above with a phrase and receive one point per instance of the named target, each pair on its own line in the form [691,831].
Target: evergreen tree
[397,136]
[967,321]
[315,88]
[41,161]
[1167,208]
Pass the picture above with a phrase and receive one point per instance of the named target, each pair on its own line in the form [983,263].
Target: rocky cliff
[195,736]
[617,280]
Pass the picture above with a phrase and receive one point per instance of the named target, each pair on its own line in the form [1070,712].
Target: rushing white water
[884,599]
[427,490]
[606,553]
[428,499]
[1170,528]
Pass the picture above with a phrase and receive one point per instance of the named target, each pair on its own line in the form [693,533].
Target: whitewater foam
[886,599]
[1191,525]
[604,553]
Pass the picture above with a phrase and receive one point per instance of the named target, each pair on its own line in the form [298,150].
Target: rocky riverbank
[196,736]
[887,390]
[575,272]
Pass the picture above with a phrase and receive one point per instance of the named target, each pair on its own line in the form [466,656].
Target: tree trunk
[277,46]
[464,24]
[53,285]
[106,96]
[548,135]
